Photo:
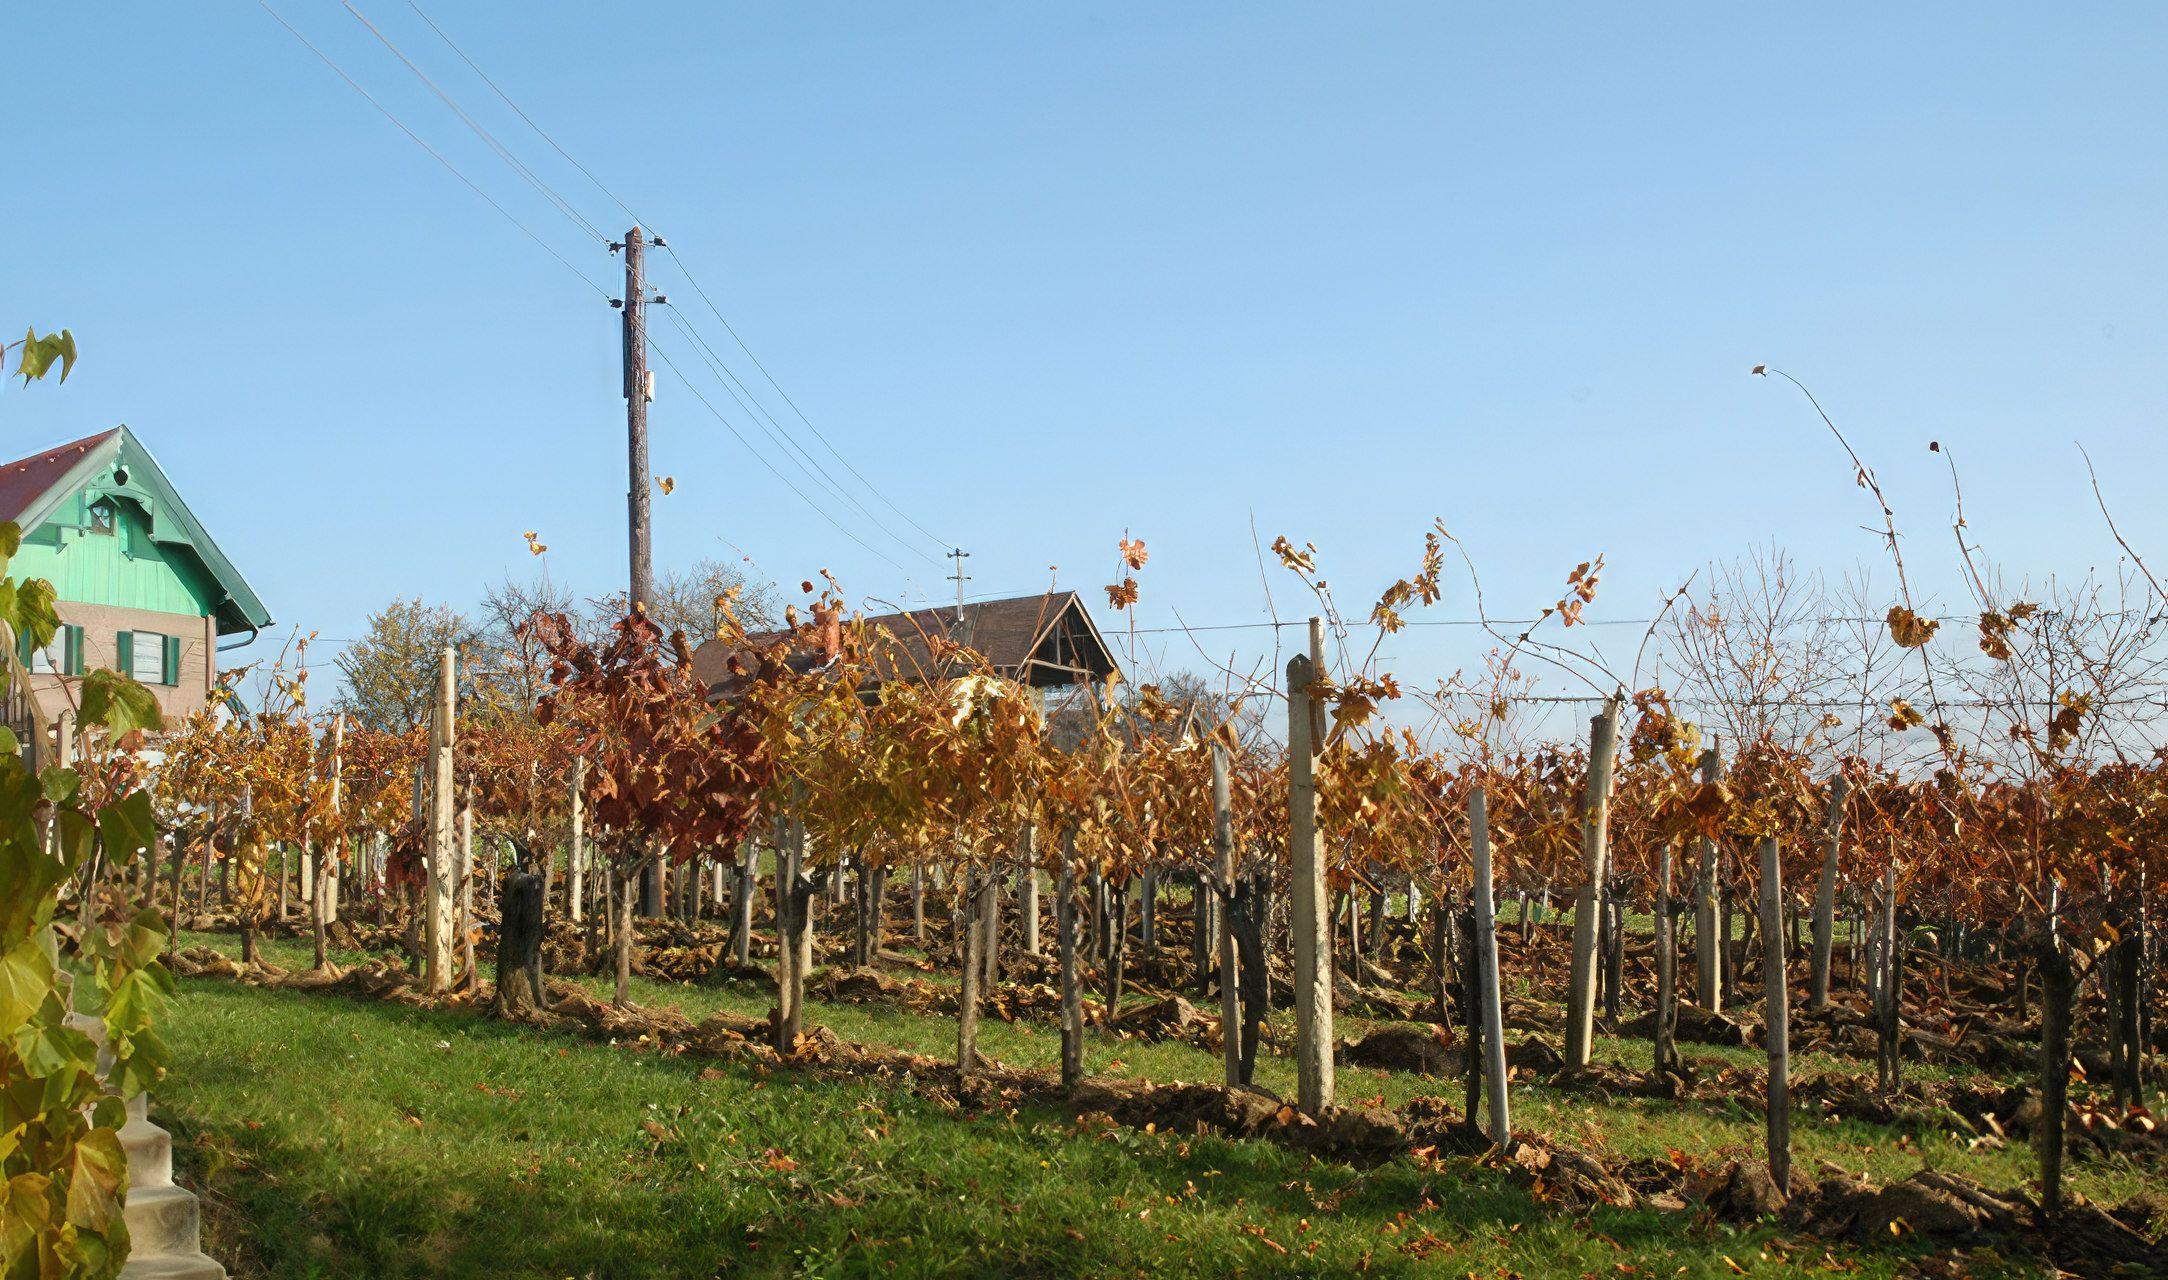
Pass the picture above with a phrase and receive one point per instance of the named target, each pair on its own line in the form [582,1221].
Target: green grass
[342,1138]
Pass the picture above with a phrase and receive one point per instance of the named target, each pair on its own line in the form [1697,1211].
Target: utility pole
[634,306]
[959,555]
[639,389]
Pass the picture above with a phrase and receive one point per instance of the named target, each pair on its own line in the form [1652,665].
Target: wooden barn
[1042,642]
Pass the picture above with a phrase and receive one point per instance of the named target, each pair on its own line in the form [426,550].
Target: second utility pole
[639,478]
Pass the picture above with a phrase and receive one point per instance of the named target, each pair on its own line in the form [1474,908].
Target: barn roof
[1041,641]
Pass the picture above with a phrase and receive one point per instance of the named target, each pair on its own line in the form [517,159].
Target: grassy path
[347,1139]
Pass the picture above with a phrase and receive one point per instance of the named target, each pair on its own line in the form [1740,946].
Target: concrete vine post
[1308,904]
[1588,901]
[1825,892]
[1486,958]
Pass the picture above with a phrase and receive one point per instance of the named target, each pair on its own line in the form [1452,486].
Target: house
[1043,641]
[140,586]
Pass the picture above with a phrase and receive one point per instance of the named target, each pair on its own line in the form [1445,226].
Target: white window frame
[155,671]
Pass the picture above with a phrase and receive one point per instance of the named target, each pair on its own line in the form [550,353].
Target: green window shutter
[71,649]
[22,646]
[172,660]
[124,651]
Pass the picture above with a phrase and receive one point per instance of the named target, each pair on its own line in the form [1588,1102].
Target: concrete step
[172,1267]
[163,1220]
[150,1155]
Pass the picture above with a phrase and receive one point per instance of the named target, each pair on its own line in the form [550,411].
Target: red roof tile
[25,480]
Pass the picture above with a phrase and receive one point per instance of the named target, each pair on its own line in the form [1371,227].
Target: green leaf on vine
[39,354]
[119,704]
[30,610]
[94,1187]
[127,827]
[26,975]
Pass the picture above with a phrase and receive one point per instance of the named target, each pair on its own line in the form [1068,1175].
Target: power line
[761,458]
[1870,706]
[548,192]
[707,301]
[529,120]
[438,156]
[1584,622]
[728,328]
[566,209]
[811,466]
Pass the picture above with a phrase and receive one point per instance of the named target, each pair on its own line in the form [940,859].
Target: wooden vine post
[323,890]
[1223,866]
[1667,970]
[1072,987]
[575,861]
[466,887]
[1027,889]
[335,859]
[1588,902]
[1825,892]
[1709,907]
[1777,1016]
[1486,957]
[1313,945]
[1888,979]
[442,815]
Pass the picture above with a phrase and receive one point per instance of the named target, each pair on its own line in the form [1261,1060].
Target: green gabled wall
[126,568]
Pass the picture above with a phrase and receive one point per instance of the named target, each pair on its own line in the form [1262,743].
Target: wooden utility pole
[639,389]
[634,305]
[443,813]
[1596,860]
[1313,946]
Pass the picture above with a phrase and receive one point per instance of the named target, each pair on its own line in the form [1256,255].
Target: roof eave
[241,609]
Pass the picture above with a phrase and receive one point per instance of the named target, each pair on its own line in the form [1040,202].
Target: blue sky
[1049,274]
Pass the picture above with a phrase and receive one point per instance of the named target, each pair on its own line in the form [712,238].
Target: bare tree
[390,673]
[517,664]
[1758,653]
[690,600]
